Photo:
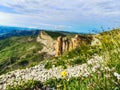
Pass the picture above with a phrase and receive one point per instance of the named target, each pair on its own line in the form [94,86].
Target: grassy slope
[111,44]
[18,52]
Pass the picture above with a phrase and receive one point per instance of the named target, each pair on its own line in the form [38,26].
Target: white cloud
[27,21]
[60,13]
[63,6]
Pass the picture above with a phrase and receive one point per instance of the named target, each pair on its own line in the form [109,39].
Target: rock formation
[70,45]
[47,42]
[59,46]
[77,41]
[45,36]
[96,41]
[64,44]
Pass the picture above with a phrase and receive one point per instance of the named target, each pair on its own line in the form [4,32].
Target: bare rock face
[45,36]
[95,42]
[59,46]
[62,45]
[80,40]
[65,44]
[76,41]
[47,42]
[70,45]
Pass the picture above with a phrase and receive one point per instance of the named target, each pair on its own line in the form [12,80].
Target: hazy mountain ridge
[7,32]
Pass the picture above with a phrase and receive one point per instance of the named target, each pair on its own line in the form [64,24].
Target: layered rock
[64,44]
[59,46]
[96,41]
[45,36]
[70,45]
[48,43]
[77,41]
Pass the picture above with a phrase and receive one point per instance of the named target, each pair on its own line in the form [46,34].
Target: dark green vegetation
[19,52]
[14,33]
[54,34]
[29,85]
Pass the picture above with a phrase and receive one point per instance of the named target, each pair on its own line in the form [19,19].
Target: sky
[66,15]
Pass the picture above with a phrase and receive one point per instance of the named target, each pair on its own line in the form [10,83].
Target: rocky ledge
[40,73]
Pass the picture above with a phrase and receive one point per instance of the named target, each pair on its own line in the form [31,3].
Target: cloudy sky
[68,15]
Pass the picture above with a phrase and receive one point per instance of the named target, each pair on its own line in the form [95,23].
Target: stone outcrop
[96,41]
[45,36]
[47,42]
[59,46]
[70,45]
[64,44]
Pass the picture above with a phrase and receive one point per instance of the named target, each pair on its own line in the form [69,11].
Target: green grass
[54,34]
[75,57]
[19,52]
[29,85]
[93,82]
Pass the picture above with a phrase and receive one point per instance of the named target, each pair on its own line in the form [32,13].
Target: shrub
[60,63]
[23,63]
[48,65]
[79,61]
[29,85]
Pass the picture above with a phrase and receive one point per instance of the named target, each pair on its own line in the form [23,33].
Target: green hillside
[19,52]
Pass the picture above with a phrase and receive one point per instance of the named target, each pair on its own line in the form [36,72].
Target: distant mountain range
[9,31]
[6,31]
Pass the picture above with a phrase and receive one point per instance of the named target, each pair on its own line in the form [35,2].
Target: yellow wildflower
[64,73]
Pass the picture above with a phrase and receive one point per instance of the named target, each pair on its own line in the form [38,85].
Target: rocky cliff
[48,43]
[64,44]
